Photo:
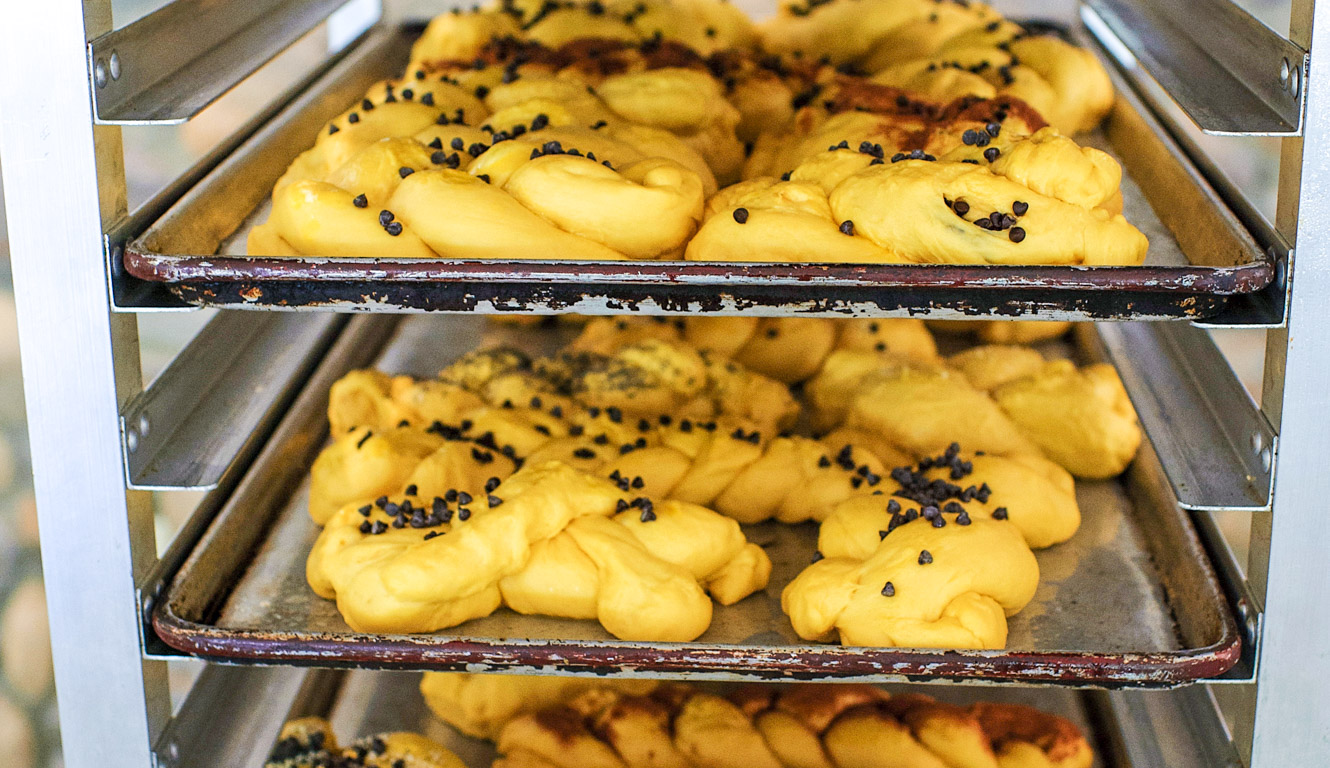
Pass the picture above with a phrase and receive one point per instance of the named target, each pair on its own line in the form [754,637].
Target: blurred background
[29,729]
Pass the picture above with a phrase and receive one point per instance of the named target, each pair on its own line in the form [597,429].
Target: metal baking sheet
[362,703]
[1199,255]
[1130,601]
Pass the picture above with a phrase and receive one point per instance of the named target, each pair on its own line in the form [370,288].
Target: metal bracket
[1230,73]
[232,715]
[1216,446]
[219,398]
[168,66]
[1247,609]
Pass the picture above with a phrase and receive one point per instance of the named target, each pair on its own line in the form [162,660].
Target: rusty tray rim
[814,661]
[1219,281]
[1211,285]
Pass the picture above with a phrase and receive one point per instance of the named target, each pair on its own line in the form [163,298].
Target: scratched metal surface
[375,702]
[1129,600]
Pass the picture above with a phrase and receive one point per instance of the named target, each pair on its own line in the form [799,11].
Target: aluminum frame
[80,359]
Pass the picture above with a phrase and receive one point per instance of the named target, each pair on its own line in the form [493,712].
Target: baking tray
[1131,600]
[1200,255]
[363,703]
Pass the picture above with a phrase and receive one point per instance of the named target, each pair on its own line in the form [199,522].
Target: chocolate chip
[494,501]
[1016,235]
[1000,513]
[385,218]
[741,215]
[1019,208]
[817,556]
[991,154]
[847,227]
[960,207]
[888,590]
[925,557]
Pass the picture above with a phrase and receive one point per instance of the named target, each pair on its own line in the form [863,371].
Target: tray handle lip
[414,652]
[1219,281]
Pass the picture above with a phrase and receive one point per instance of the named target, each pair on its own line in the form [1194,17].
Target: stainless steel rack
[99,438]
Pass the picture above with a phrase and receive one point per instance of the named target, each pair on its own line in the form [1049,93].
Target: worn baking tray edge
[1225,260]
[203,584]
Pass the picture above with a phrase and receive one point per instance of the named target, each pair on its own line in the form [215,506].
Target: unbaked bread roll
[411,564]
[1081,418]
[480,704]
[1036,495]
[949,50]
[975,575]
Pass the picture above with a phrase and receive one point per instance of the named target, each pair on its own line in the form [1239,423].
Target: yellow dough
[1080,418]
[479,704]
[978,575]
[1004,331]
[991,366]
[911,207]
[414,565]
[922,410]
[1036,495]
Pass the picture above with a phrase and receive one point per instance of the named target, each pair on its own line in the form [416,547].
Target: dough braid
[727,463]
[882,385]
[948,50]
[549,539]
[308,742]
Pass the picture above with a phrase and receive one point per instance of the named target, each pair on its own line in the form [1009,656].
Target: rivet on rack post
[1284,70]
[1266,460]
[99,75]
[131,439]
[1257,443]
[115,65]
[1295,81]
[143,425]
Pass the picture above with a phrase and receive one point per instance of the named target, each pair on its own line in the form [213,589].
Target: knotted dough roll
[416,565]
[974,576]
[480,704]
[1036,495]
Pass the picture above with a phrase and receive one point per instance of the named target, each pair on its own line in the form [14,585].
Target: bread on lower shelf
[643,724]
[309,742]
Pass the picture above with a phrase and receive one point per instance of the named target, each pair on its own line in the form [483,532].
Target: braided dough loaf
[410,564]
[948,50]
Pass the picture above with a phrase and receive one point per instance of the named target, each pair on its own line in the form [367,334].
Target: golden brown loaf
[794,726]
